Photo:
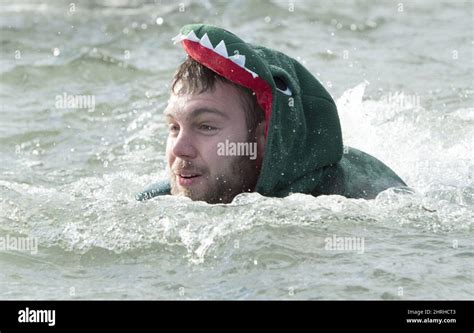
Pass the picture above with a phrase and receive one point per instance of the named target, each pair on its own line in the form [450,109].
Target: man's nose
[183,146]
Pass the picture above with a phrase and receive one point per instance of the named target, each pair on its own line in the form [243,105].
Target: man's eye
[207,128]
[173,128]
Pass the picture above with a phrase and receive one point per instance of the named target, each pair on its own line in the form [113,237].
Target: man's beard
[221,188]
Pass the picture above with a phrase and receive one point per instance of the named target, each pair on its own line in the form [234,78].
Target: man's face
[198,125]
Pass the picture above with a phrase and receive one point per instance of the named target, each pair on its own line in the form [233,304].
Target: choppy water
[403,81]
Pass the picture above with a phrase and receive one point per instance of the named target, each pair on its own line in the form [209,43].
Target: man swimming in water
[244,118]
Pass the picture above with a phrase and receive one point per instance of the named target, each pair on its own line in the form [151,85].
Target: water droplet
[159,21]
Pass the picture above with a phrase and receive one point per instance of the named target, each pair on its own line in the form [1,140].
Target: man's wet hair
[194,78]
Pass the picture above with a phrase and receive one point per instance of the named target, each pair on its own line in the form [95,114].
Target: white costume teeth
[206,42]
[192,36]
[239,59]
[220,49]
[178,38]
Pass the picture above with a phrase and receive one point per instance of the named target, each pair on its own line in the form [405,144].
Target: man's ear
[261,139]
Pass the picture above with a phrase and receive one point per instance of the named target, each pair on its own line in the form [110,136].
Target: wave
[92,65]
[100,213]
[428,147]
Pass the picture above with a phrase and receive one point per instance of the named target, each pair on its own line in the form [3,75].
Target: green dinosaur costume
[303,149]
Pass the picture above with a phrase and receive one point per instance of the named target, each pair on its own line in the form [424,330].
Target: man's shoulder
[358,175]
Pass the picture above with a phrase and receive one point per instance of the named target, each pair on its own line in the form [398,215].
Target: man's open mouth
[187,179]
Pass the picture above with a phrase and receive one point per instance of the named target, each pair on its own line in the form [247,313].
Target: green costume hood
[303,148]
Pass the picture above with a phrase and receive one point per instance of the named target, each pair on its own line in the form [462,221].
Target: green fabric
[304,149]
